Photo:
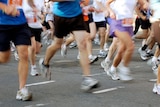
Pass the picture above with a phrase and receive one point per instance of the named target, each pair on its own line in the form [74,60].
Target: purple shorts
[117,25]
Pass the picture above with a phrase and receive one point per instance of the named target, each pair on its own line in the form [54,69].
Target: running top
[124,8]
[98,17]
[33,19]
[67,8]
[12,20]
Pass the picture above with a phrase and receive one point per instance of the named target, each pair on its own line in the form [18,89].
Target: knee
[82,45]
[4,60]
[131,47]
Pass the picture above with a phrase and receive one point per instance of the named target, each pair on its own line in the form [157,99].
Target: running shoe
[105,65]
[63,50]
[102,54]
[73,44]
[16,57]
[34,72]
[24,94]
[112,74]
[144,55]
[45,72]
[156,89]
[124,73]
[106,47]
[93,59]
[89,83]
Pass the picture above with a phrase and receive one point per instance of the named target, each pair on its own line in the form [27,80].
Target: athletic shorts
[64,26]
[100,24]
[145,24]
[18,34]
[90,16]
[117,25]
[36,32]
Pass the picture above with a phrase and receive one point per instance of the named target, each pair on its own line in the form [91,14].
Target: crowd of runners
[27,25]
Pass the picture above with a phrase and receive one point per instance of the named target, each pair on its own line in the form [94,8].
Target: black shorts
[18,34]
[64,26]
[145,24]
[90,16]
[36,32]
[87,26]
[100,24]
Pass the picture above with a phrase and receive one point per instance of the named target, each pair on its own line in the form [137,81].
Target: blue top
[67,8]
[10,20]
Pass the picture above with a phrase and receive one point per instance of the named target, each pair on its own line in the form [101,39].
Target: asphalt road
[64,88]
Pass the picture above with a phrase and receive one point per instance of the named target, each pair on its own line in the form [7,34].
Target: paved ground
[64,88]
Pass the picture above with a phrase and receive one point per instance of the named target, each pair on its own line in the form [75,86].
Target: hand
[112,15]
[91,9]
[11,10]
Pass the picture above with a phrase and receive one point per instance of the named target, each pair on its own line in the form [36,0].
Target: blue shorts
[117,25]
[18,34]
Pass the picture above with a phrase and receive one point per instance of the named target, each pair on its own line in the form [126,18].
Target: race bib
[127,22]
[31,19]
[17,3]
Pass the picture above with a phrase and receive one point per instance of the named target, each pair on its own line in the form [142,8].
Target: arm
[9,10]
[144,3]
[111,13]
[138,12]
[31,3]
[2,6]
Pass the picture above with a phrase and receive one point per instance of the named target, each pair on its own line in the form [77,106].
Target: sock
[107,60]
[113,68]
[33,66]
[90,56]
[154,59]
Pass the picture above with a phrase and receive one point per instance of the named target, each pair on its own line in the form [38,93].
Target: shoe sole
[94,60]
[91,88]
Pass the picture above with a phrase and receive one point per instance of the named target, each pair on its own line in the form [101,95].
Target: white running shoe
[24,94]
[106,47]
[45,72]
[34,72]
[16,57]
[102,54]
[93,59]
[112,74]
[124,73]
[78,56]
[89,83]
[105,65]
[156,89]
[63,50]
[143,54]
[73,44]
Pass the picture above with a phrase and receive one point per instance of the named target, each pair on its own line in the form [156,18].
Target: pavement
[64,88]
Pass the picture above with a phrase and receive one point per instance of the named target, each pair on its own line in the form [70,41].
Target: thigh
[156,31]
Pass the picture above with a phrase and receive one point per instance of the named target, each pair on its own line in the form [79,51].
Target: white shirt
[33,20]
[124,8]
[98,17]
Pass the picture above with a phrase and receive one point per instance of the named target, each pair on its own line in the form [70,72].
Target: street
[64,88]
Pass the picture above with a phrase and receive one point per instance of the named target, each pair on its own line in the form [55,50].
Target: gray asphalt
[64,88]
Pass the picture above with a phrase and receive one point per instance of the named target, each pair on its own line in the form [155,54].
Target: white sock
[107,60]
[90,56]
[113,68]
[154,59]
[33,66]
